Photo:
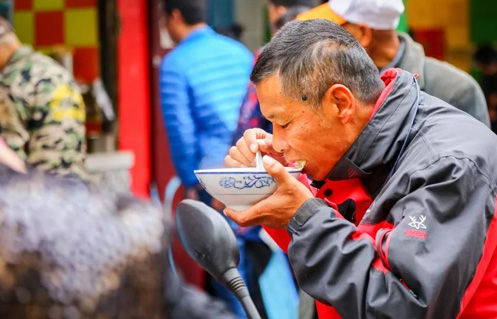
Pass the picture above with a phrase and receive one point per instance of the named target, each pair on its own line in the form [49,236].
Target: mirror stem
[233,281]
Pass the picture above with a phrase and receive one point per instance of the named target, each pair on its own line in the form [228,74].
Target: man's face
[300,132]
[489,68]
[171,25]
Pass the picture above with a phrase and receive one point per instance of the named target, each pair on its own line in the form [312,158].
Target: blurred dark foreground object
[70,250]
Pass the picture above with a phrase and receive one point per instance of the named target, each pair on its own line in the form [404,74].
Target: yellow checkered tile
[48,5]
[81,27]
[24,26]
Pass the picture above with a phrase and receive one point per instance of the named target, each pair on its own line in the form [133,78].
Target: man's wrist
[305,211]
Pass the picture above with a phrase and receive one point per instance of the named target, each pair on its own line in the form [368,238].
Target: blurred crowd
[69,249]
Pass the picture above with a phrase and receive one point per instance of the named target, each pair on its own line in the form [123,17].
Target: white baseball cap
[377,14]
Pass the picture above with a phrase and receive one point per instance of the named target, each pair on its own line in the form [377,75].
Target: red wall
[134,90]
[140,114]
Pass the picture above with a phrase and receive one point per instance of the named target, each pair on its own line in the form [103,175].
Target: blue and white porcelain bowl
[239,188]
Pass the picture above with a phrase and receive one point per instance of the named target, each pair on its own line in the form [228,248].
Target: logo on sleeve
[417,225]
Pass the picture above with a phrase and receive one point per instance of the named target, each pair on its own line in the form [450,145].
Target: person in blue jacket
[203,81]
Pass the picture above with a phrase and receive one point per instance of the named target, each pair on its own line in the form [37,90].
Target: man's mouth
[300,164]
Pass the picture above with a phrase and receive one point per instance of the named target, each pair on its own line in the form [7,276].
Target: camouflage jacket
[42,113]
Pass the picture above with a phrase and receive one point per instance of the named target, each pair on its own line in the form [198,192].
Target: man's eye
[285,125]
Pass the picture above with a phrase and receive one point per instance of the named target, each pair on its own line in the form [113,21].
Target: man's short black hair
[293,3]
[193,11]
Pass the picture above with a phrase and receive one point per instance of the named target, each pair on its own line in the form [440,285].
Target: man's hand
[276,210]
[9,158]
[252,141]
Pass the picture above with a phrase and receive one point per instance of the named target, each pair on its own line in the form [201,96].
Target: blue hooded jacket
[203,82]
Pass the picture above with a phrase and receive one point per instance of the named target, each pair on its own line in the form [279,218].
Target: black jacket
[420,243]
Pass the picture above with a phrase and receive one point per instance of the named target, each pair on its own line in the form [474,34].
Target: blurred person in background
[203,81]
[277,8]
[235,31]
[486,59]
[373,24]
[42,114]
[290,15]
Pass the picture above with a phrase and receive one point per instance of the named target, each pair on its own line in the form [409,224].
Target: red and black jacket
[425,247]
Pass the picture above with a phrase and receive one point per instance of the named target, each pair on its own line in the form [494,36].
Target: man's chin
[313,174]
[307,171]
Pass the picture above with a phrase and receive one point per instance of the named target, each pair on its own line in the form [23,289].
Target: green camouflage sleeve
[56,126]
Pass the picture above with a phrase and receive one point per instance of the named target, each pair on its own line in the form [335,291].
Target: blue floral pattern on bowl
[247,182]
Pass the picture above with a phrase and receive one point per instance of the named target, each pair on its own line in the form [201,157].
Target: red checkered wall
[71,24]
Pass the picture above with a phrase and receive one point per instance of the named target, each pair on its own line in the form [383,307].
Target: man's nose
[279,140]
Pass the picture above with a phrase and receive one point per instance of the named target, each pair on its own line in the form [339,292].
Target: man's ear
[364,35]
[176,16]
[339,102]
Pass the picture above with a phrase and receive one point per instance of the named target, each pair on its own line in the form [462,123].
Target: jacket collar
[413,60]
[198,33]
[379,144]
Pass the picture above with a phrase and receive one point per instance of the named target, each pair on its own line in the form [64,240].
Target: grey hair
[310,56]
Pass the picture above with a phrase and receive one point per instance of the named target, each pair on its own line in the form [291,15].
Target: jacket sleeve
[179,121]
[418,268]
